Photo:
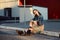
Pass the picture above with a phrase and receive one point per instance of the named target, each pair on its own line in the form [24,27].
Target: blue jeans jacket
[39,19]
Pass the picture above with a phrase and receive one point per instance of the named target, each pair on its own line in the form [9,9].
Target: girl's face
[35,12]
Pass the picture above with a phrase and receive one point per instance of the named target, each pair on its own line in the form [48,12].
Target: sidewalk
[49,25]
[49,33]
[12,35]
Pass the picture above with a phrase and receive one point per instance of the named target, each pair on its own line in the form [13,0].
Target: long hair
[36,10]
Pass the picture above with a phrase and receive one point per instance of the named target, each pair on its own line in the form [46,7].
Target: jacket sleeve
[40,20]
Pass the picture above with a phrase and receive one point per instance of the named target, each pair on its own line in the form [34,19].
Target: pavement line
[50,33]
[12,28]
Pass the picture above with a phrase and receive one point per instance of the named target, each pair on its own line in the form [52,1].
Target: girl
[36,24]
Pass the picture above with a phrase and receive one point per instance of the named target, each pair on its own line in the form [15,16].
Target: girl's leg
[41,28]
[31,24]
[32,30]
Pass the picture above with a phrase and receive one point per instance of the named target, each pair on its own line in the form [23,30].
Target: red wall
[52,5]
[54,9]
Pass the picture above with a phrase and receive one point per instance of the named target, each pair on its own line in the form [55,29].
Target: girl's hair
[36,10]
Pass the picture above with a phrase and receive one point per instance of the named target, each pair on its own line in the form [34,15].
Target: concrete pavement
[49,25]
[12,35]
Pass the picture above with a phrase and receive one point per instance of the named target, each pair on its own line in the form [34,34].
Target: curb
[49,33]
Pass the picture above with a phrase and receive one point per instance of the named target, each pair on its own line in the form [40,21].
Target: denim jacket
[39,19]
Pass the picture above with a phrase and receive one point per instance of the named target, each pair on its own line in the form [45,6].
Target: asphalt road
[12,35]
[49,25]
